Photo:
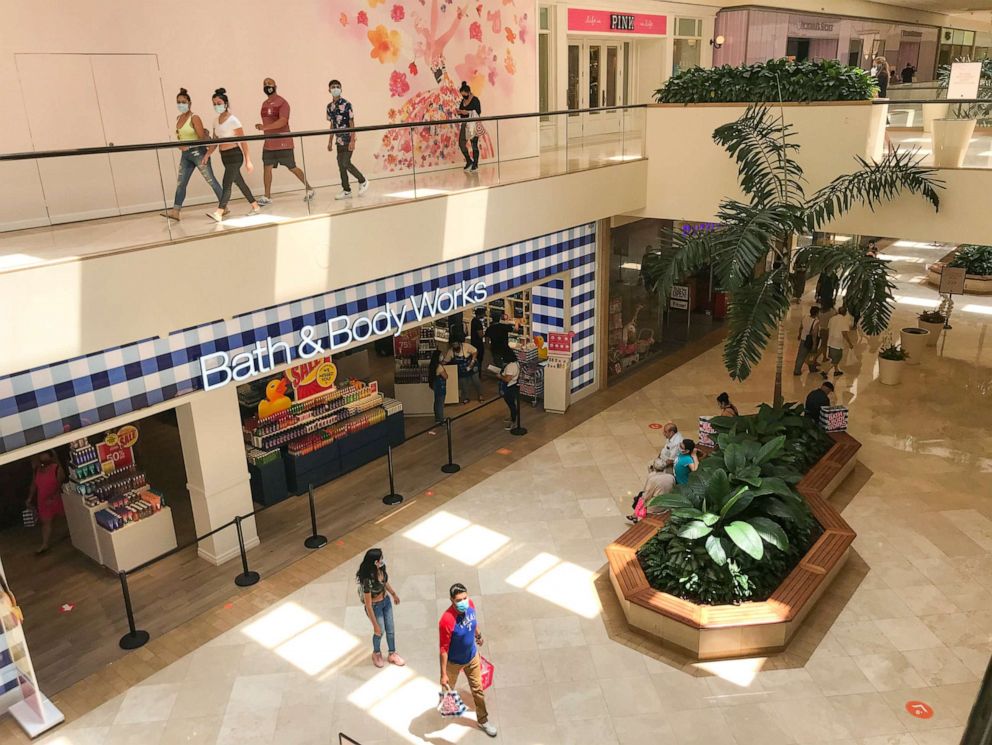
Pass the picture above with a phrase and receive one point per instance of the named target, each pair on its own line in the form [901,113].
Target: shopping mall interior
[628,357]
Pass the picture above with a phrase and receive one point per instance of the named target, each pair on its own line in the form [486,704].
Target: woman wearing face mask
[232,154]
[469,108]
[189,126]
[465,356]
[374,587]
[46,495]
[437,379]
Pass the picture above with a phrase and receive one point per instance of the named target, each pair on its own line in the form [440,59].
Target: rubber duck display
[275,400]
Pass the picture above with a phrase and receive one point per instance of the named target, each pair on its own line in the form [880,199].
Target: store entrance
[596,78]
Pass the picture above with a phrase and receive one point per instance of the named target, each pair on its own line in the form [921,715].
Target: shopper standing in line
[498,334]
[232,154]
[817,399]
[809,339]
[437,379]
[278,151]
[509,388]
[469,108]
[687,462]
[373,583]
[460,638]
[837,334]
[477,336]
[465,357]
[45,495]
[189,126]
[341,115]
[726,407]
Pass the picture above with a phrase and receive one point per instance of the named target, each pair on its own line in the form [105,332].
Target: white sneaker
[489,729]
[344,195]
[255,211]
[468,167]
[363,187]
[308,196]
[264,201]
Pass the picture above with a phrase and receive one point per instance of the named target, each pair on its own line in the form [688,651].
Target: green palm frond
[751,233]
[689,253]
[760,143]
[754,314]
[868,290]
[827,258]
[876,182]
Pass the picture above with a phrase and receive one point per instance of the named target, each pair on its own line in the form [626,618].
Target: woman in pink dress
[46,494]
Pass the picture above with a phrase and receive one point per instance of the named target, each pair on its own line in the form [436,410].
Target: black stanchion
[134,638]
[315,540]
[247,578]
[392,497]
[450,466]
[518,430]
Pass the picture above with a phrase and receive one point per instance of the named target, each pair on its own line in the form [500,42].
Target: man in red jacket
[460,638]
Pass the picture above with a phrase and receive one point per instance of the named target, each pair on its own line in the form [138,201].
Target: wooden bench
[721,631]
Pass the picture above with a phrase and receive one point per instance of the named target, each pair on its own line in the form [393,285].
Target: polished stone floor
[528,542]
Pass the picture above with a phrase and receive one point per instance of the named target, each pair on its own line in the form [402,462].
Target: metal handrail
[110,149]
[886,101]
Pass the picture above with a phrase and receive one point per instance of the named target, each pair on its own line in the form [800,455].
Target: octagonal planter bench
[708,632]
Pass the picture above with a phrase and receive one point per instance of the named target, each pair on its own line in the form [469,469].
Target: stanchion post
[450,466]
[314,540]
[391,498]
[247,578]
[134,638]
[518,430]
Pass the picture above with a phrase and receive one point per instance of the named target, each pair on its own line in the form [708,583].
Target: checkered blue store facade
[49,400]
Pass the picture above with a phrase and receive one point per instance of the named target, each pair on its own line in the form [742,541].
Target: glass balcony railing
[64,204]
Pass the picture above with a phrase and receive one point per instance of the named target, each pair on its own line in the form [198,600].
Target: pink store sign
[610,22]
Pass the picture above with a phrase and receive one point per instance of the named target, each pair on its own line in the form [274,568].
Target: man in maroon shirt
[277,151]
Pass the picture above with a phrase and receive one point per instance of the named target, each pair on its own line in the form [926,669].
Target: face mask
[269,90]
[462,605]
[183,107]
[381,563]
[335,92]
[220,108]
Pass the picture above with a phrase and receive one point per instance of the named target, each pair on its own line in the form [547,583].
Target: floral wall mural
[428,47]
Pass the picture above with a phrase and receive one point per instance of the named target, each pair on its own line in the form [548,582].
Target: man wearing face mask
[277,151]
[342,116]
[460,639]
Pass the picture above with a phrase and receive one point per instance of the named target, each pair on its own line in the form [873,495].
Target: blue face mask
[183,107]
[220,108]
[462,605]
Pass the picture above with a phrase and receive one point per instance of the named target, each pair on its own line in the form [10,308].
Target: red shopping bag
[487,672]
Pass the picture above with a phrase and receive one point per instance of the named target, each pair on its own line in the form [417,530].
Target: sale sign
[312,378]
[115,450]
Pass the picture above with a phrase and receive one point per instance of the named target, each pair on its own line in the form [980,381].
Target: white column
[216,471]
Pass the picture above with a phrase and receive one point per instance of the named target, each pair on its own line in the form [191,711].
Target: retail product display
[412,352]
[707,435]
[833,418]
[302,418]
[531,370]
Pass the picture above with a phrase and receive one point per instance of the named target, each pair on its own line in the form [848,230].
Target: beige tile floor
[25,248]
[528,540]
[979,154]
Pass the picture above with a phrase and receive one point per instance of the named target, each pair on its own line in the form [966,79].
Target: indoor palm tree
[753,249]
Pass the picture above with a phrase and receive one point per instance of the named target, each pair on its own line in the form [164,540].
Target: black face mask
[269,89]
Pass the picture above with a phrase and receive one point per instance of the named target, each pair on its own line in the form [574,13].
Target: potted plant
[913,341]
[891,357]
[762,231]
[952,133]
[933,321]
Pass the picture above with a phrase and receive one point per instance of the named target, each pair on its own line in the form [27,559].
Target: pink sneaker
[377,660]
[395,659]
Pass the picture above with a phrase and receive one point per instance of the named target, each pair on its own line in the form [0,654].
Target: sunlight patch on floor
[436,528]
[317,648]
[279,624]
[472,545]
[739,672]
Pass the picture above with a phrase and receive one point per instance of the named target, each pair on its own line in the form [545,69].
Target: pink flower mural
[455,41]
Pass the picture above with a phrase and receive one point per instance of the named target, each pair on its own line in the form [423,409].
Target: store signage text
[816,26]
[626,23]
[220,368]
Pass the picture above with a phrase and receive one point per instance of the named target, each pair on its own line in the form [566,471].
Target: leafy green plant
[805,442]
[760,233]
[932,316]
[774,80]
[889,350]
[735,529]
[974,258]
[982,112]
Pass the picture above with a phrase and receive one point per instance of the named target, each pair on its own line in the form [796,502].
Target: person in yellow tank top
[189,127]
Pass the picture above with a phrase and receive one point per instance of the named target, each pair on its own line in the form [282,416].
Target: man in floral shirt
[342,116]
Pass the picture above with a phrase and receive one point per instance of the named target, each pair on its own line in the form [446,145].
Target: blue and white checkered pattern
[548,307]
[49,400]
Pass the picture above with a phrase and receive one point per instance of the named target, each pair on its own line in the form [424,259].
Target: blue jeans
[383,611]
[189,162]
[440,391]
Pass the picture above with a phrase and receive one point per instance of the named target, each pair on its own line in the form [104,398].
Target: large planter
[914,342]
[889,371]
[935,330]
[951,138]
[931,112]
[709,632]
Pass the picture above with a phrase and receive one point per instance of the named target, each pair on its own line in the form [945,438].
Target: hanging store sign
[312,378]
[609,22]
[220,368]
